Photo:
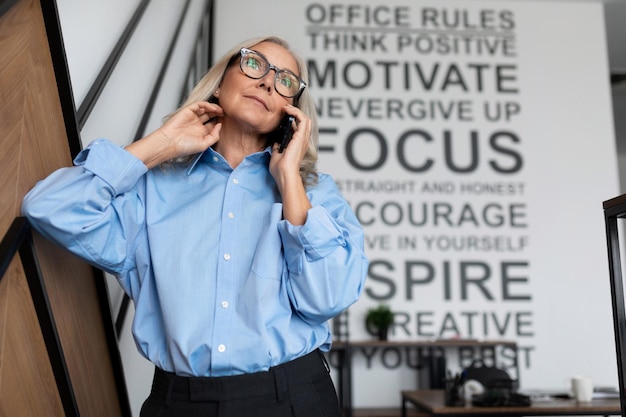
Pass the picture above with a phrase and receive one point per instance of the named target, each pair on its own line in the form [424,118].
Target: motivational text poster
[474,141]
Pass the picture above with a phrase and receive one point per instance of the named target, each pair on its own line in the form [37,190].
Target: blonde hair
[205,88]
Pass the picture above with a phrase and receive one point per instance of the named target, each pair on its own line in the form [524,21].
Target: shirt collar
[210,156]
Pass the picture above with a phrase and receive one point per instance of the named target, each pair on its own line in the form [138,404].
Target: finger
[214,134]
[300,117]
[204,118]
[293,110]
[303,127]
[208,111]
[206,107]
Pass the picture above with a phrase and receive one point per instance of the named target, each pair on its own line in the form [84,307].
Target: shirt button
[221,348]
[225,304]
[235,181]
[215,159]
[231,215]
[227,256]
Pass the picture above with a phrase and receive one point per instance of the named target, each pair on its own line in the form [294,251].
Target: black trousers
[300,388]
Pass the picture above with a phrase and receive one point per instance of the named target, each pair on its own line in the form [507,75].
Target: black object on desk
[432,353]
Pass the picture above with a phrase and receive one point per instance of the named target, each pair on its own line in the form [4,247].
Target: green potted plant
[378,320]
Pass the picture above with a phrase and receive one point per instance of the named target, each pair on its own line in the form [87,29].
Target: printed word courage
[441,214]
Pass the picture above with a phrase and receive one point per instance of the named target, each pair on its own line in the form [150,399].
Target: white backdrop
[474,140]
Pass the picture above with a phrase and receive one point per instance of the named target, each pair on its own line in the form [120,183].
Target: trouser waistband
[275,381]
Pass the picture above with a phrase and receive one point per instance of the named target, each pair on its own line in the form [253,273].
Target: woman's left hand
[285,168]
[287,163]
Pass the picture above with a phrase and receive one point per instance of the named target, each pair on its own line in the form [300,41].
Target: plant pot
[383,333]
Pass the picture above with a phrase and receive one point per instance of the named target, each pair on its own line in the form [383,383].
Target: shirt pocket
[269,259]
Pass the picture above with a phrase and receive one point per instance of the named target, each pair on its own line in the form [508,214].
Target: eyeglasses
[256,66]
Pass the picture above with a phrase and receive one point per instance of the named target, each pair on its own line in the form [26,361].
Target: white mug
[582,388]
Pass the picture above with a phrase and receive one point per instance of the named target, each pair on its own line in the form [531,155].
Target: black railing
[19,239]
[200,60]
[85,108]
[5,5]
[141,129]
[61,73]
[618,78]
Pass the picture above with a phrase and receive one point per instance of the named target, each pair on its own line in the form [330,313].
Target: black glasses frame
[269,67]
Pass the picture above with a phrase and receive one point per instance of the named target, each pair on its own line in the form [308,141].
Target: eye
[286,80]
[252,62]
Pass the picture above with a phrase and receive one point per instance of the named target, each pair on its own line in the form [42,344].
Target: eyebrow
[295,71]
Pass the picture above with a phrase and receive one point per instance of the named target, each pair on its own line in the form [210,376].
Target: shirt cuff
[316,239]
[113,164]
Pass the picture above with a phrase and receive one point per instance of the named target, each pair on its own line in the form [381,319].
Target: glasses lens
[286,83]
[253,64]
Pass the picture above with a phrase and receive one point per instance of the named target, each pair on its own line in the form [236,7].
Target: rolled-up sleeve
[92,208]
[325,257]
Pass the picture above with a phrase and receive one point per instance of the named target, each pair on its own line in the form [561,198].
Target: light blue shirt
[222,285]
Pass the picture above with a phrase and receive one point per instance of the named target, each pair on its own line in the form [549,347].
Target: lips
[259,100]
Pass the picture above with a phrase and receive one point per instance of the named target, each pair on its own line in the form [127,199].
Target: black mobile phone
[282,134]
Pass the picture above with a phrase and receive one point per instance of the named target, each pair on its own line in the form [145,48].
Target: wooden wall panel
[73,299]
[27,385]
[34,143]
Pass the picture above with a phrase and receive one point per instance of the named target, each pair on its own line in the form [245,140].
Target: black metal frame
[61,73]
[614,210]
[617,78]
[5,5]
[141,129]
[85,108]
[19,239]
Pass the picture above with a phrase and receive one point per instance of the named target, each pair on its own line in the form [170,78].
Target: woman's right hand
[190,130]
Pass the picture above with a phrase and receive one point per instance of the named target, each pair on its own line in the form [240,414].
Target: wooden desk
[432,402]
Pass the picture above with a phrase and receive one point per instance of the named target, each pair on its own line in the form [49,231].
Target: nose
[267,81]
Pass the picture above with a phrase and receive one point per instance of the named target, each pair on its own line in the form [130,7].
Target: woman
[235,251]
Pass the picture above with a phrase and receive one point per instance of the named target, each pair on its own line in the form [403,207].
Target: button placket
[226,290]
